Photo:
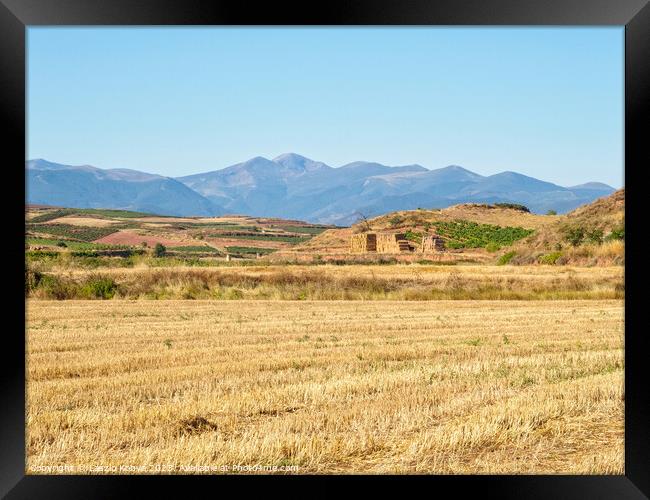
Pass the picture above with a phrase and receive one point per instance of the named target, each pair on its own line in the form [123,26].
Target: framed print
[267,243]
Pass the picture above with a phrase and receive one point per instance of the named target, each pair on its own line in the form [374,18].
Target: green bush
[616,234]
[53,287]
[159,250]
[99,287]
[595,236]
[574,235]
[505,258]
[550,259]
[492,247]
[513,206]
[413,236]
[551,212]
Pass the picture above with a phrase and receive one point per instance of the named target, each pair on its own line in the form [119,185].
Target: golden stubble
[330,386]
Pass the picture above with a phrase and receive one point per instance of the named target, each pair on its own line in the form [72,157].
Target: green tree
[551,212]
[159,250]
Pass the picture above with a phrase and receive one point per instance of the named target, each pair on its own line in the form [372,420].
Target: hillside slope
[589,235]
[423,222]
[592,234]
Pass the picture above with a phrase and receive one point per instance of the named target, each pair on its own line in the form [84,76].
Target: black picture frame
[17,15]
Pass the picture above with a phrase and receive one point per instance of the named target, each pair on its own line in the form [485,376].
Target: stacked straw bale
[433,243]
[389,242]
[364,242]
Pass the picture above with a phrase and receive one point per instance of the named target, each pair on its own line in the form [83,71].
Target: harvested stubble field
[377,387]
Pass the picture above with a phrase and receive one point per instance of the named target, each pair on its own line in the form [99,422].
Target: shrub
[52,287]
[32,279]
[595,236]
[61,244]
[616,234]
[513,206]
[99,287]
[492,247]
[396,220]
[505,258]
[551,212]
[550,259]
[159,250]
[574,235]
[413,236]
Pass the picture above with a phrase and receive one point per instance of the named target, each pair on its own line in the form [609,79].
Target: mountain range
[292,186]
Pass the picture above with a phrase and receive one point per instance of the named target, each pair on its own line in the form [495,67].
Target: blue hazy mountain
[90,187]
[293,186]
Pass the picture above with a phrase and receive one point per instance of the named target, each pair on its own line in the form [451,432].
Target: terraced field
[238,236]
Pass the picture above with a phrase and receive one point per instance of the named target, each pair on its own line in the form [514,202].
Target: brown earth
[127,237]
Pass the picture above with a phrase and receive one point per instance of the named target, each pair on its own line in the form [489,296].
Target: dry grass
[466,211]
[604,214]
[377,387]
[349,282]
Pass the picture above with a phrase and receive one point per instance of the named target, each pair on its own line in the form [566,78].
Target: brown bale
[363,242]
[389,242]
[432,243]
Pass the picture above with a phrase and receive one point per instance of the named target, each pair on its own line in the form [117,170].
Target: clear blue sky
[546,102]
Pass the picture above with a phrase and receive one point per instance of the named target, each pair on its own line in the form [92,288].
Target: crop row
[466,234]
[83,233]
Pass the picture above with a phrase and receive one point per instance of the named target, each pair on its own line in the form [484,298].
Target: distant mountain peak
[291,156]
[296,187]
[258,159]
[298,163]
[592,185]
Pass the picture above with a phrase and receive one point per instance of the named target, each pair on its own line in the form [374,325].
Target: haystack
[392,243]
[433,243]
[364,242]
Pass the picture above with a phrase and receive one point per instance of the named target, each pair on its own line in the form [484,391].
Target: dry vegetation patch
[332,282]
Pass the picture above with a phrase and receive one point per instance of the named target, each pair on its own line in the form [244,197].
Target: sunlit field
[322,386]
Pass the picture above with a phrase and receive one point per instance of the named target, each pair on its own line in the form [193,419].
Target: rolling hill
[592,234]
